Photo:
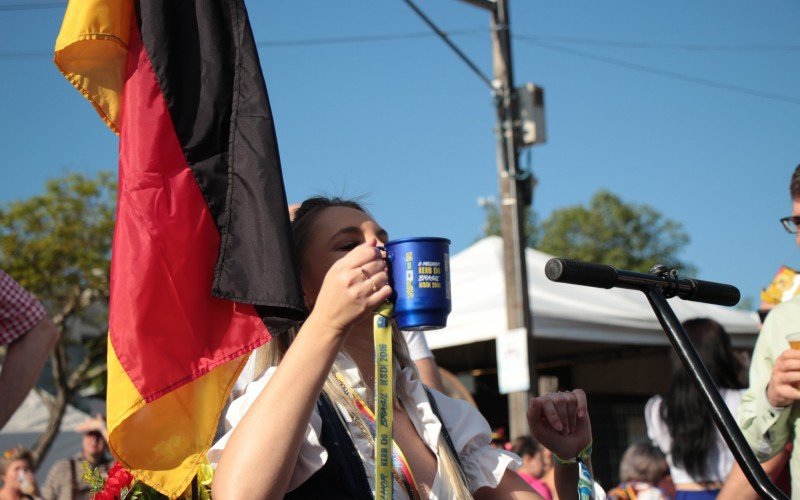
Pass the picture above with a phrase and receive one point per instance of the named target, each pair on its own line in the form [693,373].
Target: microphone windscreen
[581,273]
[714,293]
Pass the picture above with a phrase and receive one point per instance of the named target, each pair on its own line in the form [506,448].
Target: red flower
[118,479]
[113,487]
[121,475]
[126,477]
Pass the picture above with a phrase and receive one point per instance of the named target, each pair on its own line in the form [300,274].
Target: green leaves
[92,477]
[59,242]
[58,246]
[607,231]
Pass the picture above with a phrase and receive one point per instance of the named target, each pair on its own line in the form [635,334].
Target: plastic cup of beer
[794,340]
[25,486]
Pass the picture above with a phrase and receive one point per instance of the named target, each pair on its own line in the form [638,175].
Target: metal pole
[512,210]
[719,411]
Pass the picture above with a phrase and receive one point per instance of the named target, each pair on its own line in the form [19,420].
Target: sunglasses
[791,223]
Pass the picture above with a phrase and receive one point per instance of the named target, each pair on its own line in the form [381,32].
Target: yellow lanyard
[384,397]
[402,470]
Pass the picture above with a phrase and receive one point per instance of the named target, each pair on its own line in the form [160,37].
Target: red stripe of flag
[165,326]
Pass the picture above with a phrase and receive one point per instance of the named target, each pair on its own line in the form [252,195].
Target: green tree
[610,231]
[58,246]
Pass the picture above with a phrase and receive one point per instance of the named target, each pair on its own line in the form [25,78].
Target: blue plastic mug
[419,273]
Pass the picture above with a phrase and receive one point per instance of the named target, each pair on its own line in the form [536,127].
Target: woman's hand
[353,287]
[560,422]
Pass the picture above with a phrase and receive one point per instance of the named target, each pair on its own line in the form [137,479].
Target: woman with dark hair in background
[682,426]
[533,466]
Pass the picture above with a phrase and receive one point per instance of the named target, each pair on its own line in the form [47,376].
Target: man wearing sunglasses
[766,413]
[792,222]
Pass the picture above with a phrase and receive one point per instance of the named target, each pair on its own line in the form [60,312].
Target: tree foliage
[607,231]
[58,246]
[610,231]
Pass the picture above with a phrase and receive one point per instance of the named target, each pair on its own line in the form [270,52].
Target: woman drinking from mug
[303,429]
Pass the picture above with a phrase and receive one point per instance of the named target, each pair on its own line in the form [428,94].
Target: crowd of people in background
[65,477]
[694,466]
[685,457]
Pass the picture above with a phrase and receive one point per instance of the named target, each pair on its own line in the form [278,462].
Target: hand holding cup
[785,379]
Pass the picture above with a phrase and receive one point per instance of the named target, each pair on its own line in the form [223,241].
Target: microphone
[604,276]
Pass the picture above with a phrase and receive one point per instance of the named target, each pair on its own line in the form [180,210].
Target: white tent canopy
[32,416]
[562,311]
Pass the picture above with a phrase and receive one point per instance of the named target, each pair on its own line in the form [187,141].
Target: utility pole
[512,209]
[513,183]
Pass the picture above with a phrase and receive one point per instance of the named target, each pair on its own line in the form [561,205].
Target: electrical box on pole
[529,119]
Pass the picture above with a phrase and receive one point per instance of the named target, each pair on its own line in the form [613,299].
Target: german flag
[202,253]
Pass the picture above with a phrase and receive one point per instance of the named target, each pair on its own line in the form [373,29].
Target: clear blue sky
[406,123]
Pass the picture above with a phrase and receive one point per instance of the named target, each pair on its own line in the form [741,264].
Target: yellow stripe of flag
[159,442]
[91,51]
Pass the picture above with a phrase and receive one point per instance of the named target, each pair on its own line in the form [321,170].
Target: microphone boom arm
[657,288]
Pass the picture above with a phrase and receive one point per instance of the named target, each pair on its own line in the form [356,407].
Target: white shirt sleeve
[312,454]
[417,345]
[657,430]
[471,435]
[246,376]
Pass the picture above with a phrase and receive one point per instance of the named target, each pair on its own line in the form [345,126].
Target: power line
[664,73]
[691,47]
[363,38]
[306,42]
[628,44]
[441,34]
[27,55]
[12,7]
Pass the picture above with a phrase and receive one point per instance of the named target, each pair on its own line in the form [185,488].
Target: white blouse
[469,431]
[719,461]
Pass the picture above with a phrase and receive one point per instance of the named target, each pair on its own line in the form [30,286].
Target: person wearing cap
[64,480]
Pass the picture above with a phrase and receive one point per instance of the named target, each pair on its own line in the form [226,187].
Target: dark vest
[343,476]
